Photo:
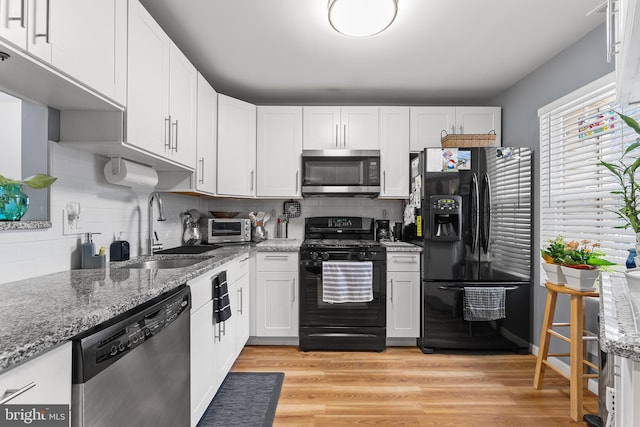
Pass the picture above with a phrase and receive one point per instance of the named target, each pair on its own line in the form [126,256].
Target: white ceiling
[446,51]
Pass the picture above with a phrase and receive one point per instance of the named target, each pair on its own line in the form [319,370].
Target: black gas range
[350,320]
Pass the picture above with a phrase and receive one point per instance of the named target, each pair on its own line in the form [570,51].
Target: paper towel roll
[124,172]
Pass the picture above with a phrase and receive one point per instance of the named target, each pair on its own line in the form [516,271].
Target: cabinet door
[403,304]
[236,147]
[183,93]
[479,120]
[279,146]
[224,348]
[239,295]
[148,83]
[207,138]
[39,28]
[427,124]
[276,304]
[51,372]
[13,22]
[202,361]
[394,152]
[88,42]
[359,128]
[321,126]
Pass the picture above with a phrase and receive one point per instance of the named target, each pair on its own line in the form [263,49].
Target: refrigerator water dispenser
[446,217]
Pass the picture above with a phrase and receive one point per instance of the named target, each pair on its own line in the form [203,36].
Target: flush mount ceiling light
[361,18]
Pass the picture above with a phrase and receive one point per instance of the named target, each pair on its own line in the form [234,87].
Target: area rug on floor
[246,399]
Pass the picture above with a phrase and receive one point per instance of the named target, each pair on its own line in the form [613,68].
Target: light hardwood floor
[403,387]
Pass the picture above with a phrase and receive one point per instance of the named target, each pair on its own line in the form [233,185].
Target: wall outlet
[70,227]
[610,401]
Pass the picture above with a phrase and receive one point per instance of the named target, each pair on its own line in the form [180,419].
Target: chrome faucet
[155,195]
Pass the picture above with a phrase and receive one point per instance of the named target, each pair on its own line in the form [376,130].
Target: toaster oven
[226,230]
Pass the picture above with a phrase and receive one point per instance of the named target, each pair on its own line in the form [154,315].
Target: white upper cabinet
[279,146]
[394,152]
[427,123]
[86,40]
[236,171]
[161,101]
[340,128]
[207,137]
[628,58]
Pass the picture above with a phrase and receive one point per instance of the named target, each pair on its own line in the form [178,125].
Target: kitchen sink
[155,264]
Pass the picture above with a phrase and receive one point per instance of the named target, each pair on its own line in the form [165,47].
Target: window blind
[576,133]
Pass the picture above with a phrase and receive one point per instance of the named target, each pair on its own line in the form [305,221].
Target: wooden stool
[577,342]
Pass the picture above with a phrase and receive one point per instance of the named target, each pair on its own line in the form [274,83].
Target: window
[576,132]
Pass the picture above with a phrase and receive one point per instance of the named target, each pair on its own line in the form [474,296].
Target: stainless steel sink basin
[166,263]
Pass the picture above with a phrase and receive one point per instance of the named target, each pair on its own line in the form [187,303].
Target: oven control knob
[314,256]
[325,256]
[362,256]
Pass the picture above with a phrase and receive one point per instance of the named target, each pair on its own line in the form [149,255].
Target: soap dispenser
[88,256]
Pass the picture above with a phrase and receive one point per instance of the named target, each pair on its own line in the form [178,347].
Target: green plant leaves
[40,180]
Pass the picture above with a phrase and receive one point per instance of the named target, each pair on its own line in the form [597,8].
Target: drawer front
[237,268]
[403,261]
[277,261]
[201,291]
[51,374]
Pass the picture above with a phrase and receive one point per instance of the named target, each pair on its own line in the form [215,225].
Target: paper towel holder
[142,175]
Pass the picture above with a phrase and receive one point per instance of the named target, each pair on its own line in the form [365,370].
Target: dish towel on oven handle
[344,281]
[484,303]
[221,304]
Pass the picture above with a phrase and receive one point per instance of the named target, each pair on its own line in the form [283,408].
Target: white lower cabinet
[215,346]
[47,379]
[277,294]
[403,294]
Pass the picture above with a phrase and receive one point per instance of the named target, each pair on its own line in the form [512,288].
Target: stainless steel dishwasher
[134,369]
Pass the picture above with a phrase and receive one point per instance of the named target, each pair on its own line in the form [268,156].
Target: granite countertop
[401,247]
[39,313]
[619,317]
[279,245]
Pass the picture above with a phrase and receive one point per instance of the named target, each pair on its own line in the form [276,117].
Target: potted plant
[581,264]
[625,172]
[13,202]
[553,254]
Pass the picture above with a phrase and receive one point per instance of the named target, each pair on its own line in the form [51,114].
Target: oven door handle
[461,288]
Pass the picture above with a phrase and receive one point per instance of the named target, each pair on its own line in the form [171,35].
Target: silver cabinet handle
[219,333]
[244,259]
[611,28]
[241,304]
[167,133]
[408,258]
[344,136]
[293,290]
[297,175]
[201,180]
[175,139]
[47,23]
[461,129]
[251,188]
[453,128]
[223,328]
[337,131]
[22,14]
[384,181]
[11,394]
[391,291]
[285,257]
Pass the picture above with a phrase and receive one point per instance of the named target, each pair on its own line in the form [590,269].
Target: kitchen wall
[110,209]
[581,63]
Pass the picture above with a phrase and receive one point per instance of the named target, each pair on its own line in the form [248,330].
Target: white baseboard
[592,383]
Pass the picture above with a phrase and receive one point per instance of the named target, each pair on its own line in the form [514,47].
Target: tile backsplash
[110,209]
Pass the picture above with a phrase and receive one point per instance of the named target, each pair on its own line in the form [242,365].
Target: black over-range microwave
[343,173]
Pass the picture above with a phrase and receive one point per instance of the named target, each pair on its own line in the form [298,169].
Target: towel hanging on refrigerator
[484,303]
[221,304]
[344,281]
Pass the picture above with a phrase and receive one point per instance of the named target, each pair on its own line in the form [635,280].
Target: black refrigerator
[475,216]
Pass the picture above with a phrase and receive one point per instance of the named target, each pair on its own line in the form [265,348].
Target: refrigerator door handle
[475,203]
[486,223]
